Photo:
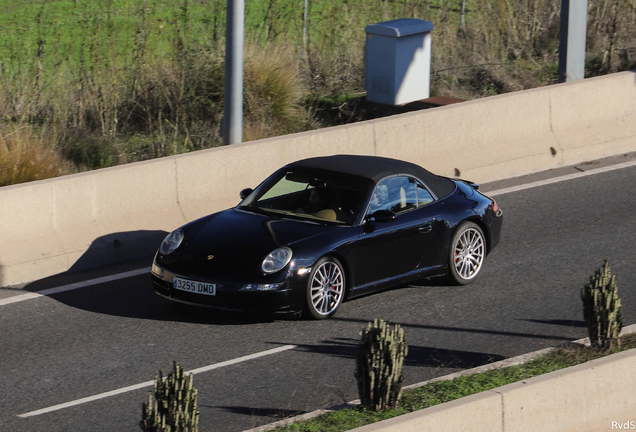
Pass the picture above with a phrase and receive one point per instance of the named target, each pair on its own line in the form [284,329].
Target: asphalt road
[84,342]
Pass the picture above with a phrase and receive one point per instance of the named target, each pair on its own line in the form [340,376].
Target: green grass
[439,392]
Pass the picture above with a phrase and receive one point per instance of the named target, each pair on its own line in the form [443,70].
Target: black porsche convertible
[322,230]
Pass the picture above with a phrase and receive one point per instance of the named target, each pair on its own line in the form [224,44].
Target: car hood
[234,243]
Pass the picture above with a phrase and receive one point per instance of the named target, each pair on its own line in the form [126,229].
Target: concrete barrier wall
[587,397]
[120,213]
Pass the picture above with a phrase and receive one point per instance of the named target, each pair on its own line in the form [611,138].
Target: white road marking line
[151,383]
[77,285]
[560,179]
[73,286]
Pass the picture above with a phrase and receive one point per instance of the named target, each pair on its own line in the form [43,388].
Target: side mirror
[381,216]
[245,193]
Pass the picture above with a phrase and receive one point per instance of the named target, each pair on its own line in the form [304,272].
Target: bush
[602,308]
[25,156]
[379,361]
[273,94]
[175,406]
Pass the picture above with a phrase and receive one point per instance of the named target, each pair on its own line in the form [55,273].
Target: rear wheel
[325,289]
[467,253]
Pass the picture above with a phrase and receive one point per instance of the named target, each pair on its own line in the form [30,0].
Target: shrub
[379,361]
[602,308]
[25,156]
[175,406]
[273,94]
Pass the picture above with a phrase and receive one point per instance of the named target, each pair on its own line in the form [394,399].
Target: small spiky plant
[602,308]
[174,408]
[379,361]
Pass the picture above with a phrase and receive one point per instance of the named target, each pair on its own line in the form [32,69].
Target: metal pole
[572,40]
[232,123]
[305,26]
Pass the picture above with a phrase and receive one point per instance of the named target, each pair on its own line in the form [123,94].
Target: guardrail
[121,213]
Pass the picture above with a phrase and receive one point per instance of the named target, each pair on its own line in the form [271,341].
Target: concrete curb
[483,411]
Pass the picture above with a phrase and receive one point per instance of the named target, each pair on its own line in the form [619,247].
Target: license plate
[194,286]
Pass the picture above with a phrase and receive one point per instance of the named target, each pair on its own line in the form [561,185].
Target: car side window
[423,195]
[396,194]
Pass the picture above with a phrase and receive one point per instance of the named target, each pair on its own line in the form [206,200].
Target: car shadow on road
[417,355]
[135,298]
[132,296]
[560,322]
[467,330]
[273,413]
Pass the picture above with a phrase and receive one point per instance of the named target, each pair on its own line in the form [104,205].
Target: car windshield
[310,194]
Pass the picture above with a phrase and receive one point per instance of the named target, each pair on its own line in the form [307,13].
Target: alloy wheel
[326,288]
[469,250]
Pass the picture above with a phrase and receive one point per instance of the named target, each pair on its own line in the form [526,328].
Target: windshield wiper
[260,210]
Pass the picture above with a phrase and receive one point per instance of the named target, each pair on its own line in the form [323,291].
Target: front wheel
[467,253]
[325,289]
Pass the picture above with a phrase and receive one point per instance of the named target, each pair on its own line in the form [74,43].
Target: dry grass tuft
[25,156]
[273,93]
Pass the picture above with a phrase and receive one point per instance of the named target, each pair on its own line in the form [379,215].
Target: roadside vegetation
[86,84]
[172,405]
[445,391]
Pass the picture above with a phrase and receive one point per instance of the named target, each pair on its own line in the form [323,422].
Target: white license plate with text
[194,286]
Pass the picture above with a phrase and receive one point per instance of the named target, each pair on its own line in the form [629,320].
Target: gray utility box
[398,61]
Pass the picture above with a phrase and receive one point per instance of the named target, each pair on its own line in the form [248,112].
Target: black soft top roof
[376,168]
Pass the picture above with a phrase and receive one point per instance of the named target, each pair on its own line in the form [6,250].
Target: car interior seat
[402,198]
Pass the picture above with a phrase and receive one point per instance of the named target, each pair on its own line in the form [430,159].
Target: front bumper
[229,296]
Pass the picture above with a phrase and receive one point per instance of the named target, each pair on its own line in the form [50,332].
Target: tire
[467,254]
[325,288]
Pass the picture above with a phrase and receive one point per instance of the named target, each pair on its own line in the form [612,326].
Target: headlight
[171,242]
[276,260]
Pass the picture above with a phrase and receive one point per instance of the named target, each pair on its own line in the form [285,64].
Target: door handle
[427,227]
